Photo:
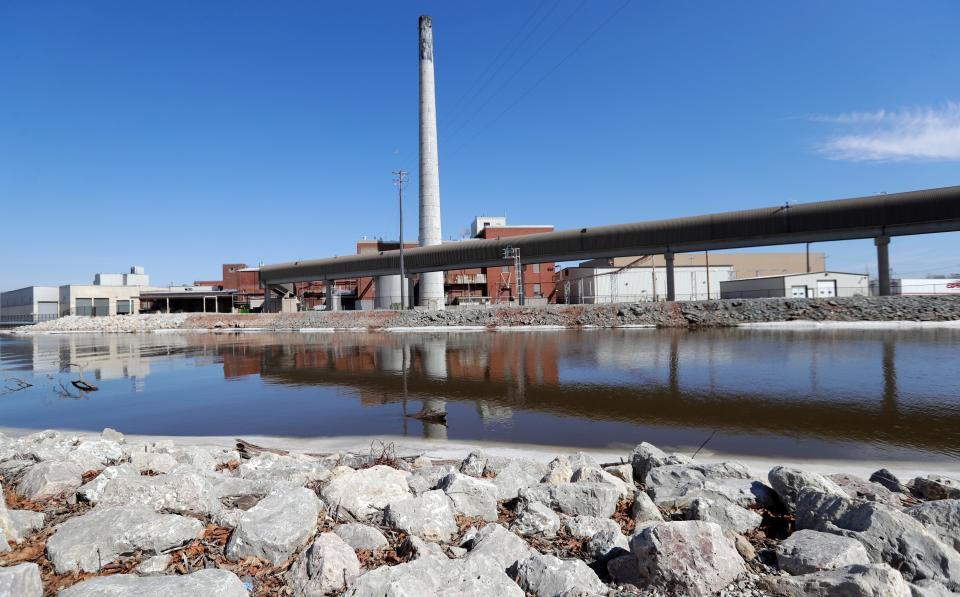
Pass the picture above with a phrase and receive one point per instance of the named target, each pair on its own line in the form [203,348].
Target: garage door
[826,288]
[48,309]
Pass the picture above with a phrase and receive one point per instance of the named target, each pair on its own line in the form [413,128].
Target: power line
[518,70]
[543,78]
[469,91]
[492,77]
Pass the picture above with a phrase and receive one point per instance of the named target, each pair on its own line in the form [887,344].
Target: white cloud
[926,134]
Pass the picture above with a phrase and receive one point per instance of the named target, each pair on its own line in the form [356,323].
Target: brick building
[499,284]
[243,281]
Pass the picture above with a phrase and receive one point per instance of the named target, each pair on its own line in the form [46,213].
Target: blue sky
[179,135]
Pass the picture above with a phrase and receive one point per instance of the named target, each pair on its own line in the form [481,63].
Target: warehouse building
[29,305]
[805,285]
[597,285]
[697,275]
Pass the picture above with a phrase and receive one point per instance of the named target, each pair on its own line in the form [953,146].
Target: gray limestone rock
[575,499]
[429,516]
[725,513]
[688,557]
[536,520]
[365,493]
[606,544]
[585,527]
[415,548]
[646,457]
[497,543]
[623,570]
[549,576]
[808,551]
[889,535]
[277,526]
[87,542]
[429,576]
[474,464]
[561,468]
[22,580]
[295,469]
[328,566]
[930,588]
[205,583]
[153,565]
[889,480]
[426,478]
[470,496]
[152,461]
[942,518]
[624,472]
[676,486]
[789,482]
[361,536]
[94,454]
[21,523]
[644,510]
[92,490]
[857,580]
[181,492]
[936,487]
[516,476]
[590,474]
[50,479]
[856,487]
[113,435]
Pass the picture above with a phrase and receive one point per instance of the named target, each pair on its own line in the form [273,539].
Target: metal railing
[26,319]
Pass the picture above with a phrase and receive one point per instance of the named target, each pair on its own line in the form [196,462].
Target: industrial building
[925,286]
[187,299]
[499,284]
[241,282]
[697,276]
[805,285]
[596,285]
[110,294]
[30,304]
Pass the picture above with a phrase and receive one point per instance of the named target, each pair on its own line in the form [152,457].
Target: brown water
[798,393]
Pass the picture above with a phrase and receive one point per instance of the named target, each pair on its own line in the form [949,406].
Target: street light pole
[400,177]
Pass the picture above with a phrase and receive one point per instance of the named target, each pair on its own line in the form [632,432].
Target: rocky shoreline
[87,516]
[695,314]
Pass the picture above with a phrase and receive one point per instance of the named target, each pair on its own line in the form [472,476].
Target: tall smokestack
[431,283]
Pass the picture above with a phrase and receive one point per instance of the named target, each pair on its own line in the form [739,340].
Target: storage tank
[388,292]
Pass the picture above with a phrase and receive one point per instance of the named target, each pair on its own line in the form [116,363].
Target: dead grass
[623,517]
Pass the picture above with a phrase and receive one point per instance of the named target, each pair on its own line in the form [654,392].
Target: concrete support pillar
[883,264]
[671,291]
[331,287]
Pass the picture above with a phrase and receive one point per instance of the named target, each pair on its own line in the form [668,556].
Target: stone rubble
[690,314]
[218,522]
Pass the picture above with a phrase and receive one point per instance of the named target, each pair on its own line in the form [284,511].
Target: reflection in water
[802,393]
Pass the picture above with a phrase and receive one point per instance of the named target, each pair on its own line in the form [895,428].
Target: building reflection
[836,386]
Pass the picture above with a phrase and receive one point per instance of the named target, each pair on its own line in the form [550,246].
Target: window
[536,290]
[536,268]
[85,307]
[506,269]
[123,307]
[101,307]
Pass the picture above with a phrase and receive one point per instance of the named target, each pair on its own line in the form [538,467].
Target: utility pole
[400,177]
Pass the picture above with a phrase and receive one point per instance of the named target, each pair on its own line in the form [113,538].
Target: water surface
[797,393]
